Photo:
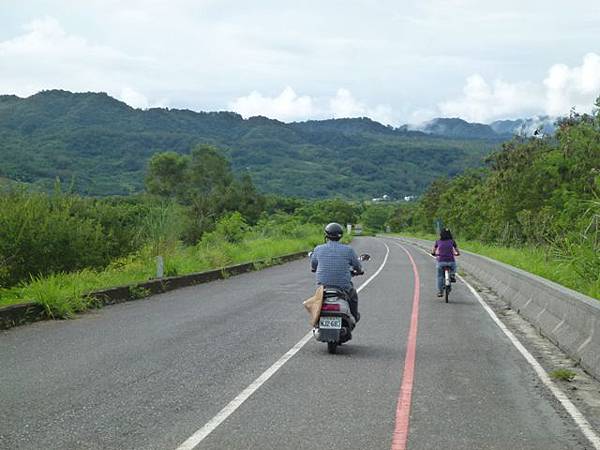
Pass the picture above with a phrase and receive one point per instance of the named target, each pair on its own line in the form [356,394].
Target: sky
[402,61]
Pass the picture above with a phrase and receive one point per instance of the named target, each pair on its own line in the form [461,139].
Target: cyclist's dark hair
[445,235]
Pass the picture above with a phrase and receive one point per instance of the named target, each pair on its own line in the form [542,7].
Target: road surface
[151,374]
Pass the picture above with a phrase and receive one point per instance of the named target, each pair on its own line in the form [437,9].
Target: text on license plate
[330,322]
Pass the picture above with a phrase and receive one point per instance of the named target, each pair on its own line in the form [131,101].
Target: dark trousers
[353,302]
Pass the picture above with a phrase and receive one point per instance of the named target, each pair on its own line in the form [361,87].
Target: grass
[136,292]
[540,261]
[563,374]
[63,294]
[537,260]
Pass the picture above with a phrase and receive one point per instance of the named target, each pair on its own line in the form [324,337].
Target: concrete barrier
[568,318]
[14,315]
[20,314]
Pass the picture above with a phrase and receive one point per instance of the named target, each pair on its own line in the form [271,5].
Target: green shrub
[563,374]
[63,294]
[137,292]
[41,234]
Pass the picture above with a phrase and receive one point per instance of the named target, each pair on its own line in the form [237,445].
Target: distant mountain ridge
[459,128]
[525,127]
[102,146]
[503,129]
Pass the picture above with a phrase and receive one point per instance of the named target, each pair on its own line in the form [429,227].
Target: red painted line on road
[400,436]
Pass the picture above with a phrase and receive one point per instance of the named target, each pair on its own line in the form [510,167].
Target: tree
[326,211]
[375,216]
[167,174]
[209,171]
[204,183]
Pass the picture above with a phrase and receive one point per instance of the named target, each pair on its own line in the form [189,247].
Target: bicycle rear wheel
[447,285]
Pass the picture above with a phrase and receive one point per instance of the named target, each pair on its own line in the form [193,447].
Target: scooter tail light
[330,307]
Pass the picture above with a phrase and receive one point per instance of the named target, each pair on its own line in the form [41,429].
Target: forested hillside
[541,193]
[102,146]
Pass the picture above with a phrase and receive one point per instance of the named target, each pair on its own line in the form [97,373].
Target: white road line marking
[387,252]
[579,419]
[234,404]
[575,414]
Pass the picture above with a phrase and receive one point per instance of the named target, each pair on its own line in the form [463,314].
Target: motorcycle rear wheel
[332,347]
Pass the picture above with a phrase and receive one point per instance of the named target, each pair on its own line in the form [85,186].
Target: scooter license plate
[333,323]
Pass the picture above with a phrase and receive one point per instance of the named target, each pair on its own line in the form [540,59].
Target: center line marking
[400,436]
[234,404]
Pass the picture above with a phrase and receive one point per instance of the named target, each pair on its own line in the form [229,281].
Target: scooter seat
[334,292]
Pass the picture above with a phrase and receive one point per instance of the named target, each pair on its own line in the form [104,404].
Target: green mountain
[102,146]
[459,128]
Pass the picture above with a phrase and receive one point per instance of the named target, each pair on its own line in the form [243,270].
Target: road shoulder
[583,390]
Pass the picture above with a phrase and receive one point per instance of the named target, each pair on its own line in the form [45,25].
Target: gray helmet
[334,231]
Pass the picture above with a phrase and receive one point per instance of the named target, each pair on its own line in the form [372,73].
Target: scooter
[336,322]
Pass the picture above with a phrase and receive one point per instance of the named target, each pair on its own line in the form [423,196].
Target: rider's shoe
[440,293]
[357,317]
[452,278]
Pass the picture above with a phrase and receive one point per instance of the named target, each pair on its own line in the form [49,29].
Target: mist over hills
[101,146]
[500,129]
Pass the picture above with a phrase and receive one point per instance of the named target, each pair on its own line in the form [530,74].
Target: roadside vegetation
[57,247]
[536,205]
[232,242]
[563,375]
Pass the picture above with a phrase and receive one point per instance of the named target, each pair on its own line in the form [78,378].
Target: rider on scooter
[333,261]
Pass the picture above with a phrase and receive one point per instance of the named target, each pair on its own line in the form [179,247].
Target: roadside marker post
[160,267]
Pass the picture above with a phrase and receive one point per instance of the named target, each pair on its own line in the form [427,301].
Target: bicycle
[445,249]
[447,283]
[449,278]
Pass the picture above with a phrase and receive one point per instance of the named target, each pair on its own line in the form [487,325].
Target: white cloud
[576,87]
[421,116]
[200,54]
[45,56]
[345,105]
[287,106]
[483,102]
[133,98]
[562,89]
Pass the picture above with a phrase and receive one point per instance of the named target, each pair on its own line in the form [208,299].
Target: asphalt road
[149,374]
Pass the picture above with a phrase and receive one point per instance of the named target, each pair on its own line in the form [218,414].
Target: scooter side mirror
[364,257]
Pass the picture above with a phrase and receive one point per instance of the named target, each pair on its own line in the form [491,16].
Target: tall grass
[542,261]
[41,233]
[63,294]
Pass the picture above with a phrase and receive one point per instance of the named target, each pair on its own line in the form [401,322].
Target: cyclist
[445,249]
[332,263]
